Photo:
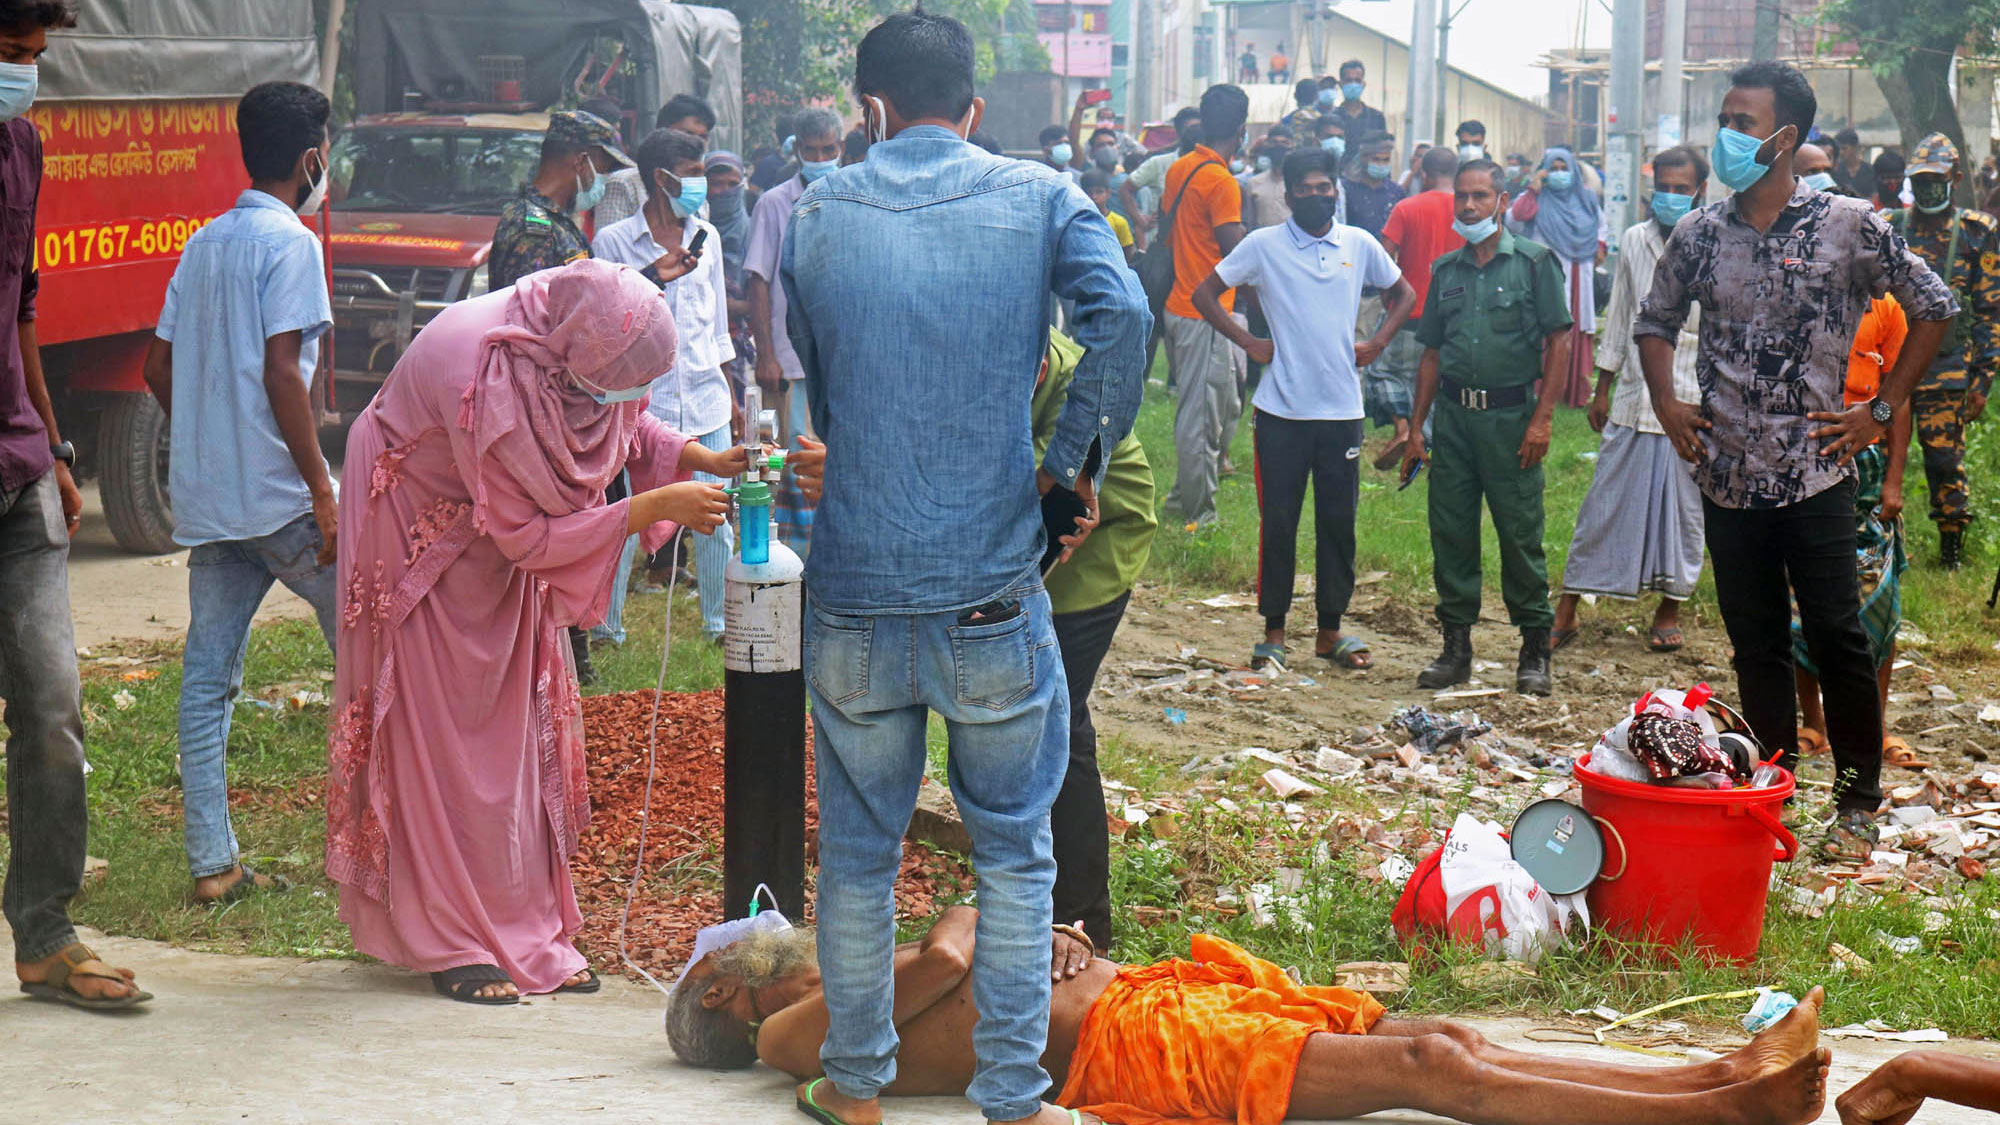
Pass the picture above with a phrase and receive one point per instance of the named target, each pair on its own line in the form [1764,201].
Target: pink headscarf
[606,324]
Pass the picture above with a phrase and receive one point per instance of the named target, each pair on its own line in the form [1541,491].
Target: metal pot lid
[1559,844]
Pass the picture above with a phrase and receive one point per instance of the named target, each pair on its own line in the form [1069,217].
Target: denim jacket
[919,284]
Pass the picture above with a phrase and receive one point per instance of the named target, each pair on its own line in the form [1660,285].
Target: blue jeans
[1001,691]
[711,552]
[227,581]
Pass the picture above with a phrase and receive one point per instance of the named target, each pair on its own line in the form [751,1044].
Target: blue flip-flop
[1269,657]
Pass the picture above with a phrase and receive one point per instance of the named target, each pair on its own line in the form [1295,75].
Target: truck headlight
[478,285]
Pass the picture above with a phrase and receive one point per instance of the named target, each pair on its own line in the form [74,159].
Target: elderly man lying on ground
[1224,1037]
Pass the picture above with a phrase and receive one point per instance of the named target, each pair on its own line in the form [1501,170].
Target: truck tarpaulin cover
[127,50]
[436,46]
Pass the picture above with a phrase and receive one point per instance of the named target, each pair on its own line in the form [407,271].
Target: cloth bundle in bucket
[1670,747]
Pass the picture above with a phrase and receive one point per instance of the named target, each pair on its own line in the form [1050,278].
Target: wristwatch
[1881,411]
[64,452]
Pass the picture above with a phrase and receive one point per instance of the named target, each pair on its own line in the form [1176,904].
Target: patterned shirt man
[534,234]
[1778,310]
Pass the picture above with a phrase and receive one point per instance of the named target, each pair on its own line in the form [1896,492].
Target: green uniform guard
[1495,322]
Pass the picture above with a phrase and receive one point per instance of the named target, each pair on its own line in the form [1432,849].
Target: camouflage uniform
[535,232]
[1972,345]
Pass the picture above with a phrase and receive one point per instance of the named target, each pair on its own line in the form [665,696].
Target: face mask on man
[1335,145]
[591,194]
[1469,152]
[1235,165]
[18,84]
[316,195]
[1379,170]
[1326,98]
[1819,181]
[1668,208]
[1106,157]
[694,193]
[1933,194]
[812,170]
[1476,233]
[1314,212]
[1352,90]
[1263,162]
[1735,159]
[1061,153]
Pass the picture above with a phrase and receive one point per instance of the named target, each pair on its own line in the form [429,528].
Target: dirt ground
[1175,651]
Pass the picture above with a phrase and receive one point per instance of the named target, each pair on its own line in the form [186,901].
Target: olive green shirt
[1488,323]
[1110,560]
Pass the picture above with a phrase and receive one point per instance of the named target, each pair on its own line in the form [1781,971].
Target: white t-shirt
[1310,289]
[693,396]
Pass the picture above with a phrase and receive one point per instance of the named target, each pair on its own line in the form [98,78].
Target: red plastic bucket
[1687,863]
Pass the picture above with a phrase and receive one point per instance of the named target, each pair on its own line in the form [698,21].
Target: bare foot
[853,1111]
[83,979]
[497,990]
[1053,1115]
[1783,1043]
[1792,1096]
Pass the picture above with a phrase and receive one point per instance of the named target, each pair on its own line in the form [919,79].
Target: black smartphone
[1410,477]
[700,236]
[1061,508]
[992,613]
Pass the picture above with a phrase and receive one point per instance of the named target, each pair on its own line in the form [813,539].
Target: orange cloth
[1212,1041]
[1876,344]
[1212,200]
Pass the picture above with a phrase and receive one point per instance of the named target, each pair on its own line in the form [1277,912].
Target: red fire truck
[138,126]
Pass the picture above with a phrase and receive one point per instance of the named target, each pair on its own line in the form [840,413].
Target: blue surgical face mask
[1335,145]
[602,397]
[1352,90]
[18,83]
[812,170]
[1326,98]
[1820,181]
[591,196]
[1476,233]
[694,193]
[1061,152]
[1560,181]
[1263,162]
[1735,159]
[1381,170]
[1668,207]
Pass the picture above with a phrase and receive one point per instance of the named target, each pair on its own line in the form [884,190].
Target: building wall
[1725,29]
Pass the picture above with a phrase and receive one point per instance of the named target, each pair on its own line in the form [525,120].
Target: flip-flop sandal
[1812,743]
[1560,637]
[251,881]
[1666,640]
[56,988]
[463,984]
[1269,658]
[810,1106]
[590,984]
[1897,753]
[1392,454]
[1350,653]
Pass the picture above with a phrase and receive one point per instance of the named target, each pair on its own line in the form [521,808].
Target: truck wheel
[132,453]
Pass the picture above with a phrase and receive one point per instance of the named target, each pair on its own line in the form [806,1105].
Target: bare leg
[1344,1076]
[1882,676]
[1783,1044]
[1566,613]
[1811,715]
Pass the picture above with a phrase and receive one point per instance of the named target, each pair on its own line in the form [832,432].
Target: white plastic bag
[1492,899]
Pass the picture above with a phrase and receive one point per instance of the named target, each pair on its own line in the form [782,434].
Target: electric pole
[1420,121]
[1141,104]
[1764,33]
[1624,121]
[1673,51]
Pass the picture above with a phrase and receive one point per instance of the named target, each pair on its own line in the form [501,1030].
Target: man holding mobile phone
[924,594]
[1308,273]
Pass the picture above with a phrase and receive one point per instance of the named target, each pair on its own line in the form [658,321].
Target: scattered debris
[1383,980]
[124,700]
[1286,786]
[1876,1029]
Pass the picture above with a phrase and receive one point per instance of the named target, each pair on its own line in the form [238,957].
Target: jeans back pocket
[993,665]
[836,655]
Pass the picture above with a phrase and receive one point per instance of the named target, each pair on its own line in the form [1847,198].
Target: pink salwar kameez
[473,531]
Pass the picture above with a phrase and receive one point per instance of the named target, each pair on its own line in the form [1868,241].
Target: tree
[1909,44]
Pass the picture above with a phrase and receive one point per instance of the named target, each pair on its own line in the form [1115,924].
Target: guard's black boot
[579,648]
[1531,675]
[1454,664]
[1951,549]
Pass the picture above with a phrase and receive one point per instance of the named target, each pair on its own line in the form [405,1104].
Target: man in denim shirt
[920,348]
[231,362]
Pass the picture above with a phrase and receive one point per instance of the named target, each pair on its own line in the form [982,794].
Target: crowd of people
[1761,368]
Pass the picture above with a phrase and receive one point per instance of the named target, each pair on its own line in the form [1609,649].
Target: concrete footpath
[281,1040]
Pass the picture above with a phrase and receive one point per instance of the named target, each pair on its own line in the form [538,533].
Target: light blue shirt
[1310,289]
[254,273]
[919,283]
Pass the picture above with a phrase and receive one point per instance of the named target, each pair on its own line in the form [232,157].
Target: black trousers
[1289,454]
[1765,559]
[1082,840]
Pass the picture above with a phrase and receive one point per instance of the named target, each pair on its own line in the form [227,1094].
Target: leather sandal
[57,987]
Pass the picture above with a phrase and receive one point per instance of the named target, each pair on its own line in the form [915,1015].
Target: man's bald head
[1811,159]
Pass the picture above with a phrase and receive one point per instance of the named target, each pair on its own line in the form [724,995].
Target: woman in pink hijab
[473,532]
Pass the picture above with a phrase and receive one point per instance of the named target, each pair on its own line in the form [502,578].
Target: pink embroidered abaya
[473,531]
